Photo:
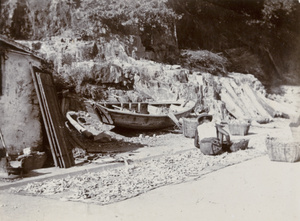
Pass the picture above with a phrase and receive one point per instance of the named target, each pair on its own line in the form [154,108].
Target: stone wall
[19,108]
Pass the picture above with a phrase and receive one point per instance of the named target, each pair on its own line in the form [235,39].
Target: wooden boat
[142,116]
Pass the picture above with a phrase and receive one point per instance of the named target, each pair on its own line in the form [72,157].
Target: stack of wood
[239,96]
[53,120]
[243,102]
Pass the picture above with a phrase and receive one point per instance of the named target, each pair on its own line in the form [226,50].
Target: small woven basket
[239,129]
[34,161]
[189,125]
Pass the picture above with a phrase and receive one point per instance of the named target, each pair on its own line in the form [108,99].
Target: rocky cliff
[91,20]
[104,71]
[259,38]
[98,57]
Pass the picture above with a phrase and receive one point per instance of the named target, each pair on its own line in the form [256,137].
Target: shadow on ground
[117,143]
[137,133]
[115,146]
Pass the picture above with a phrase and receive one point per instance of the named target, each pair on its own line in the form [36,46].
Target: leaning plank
[65,102]
[45,119]
[54,123]
[233,103]
[174,119]
[56,119]
[52,111]
[231,106]
[61,123]
[267,107]
[271,110]
[103,115]
[48,115]
[255,103]
[244,100]
[287,110]
[52,129]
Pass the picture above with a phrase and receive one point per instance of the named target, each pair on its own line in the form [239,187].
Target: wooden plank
[1,73]
[232,101]
[58,119]
[56,147]
[245,103]
[262,100]
[255,102]
[65,102]
[286,110]
[49,119]
[45,119]
[53,118]
[231,106]
[103,115]
[60,148]
[51,131]
[174,119]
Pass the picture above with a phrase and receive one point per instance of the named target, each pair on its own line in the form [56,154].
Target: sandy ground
[258,189]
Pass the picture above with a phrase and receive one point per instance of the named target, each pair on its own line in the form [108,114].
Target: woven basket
[34,161]
[295,133]
[189,125]
[283,150]
[239,129]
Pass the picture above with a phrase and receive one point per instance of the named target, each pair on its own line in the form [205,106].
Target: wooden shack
[29,110]
[20,116]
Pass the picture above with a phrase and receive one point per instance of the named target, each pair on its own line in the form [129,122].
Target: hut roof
[8,43]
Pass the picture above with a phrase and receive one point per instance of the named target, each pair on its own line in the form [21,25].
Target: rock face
[79,20]
[152,30]
[104,70]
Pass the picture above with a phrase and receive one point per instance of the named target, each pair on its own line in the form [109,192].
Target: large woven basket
[283,150]
[239,129]
[189,126]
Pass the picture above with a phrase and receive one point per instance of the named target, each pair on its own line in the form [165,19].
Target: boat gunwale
[143,115]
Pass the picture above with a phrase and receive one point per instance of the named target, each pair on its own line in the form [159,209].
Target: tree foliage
[268,29]
[20,27]
[121,14]
[229,19]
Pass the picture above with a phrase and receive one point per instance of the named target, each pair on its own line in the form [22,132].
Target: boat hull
[135,120]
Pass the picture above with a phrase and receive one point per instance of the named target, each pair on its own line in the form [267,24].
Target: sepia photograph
[149,110]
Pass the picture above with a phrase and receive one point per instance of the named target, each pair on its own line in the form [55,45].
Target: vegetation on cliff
[258,37]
